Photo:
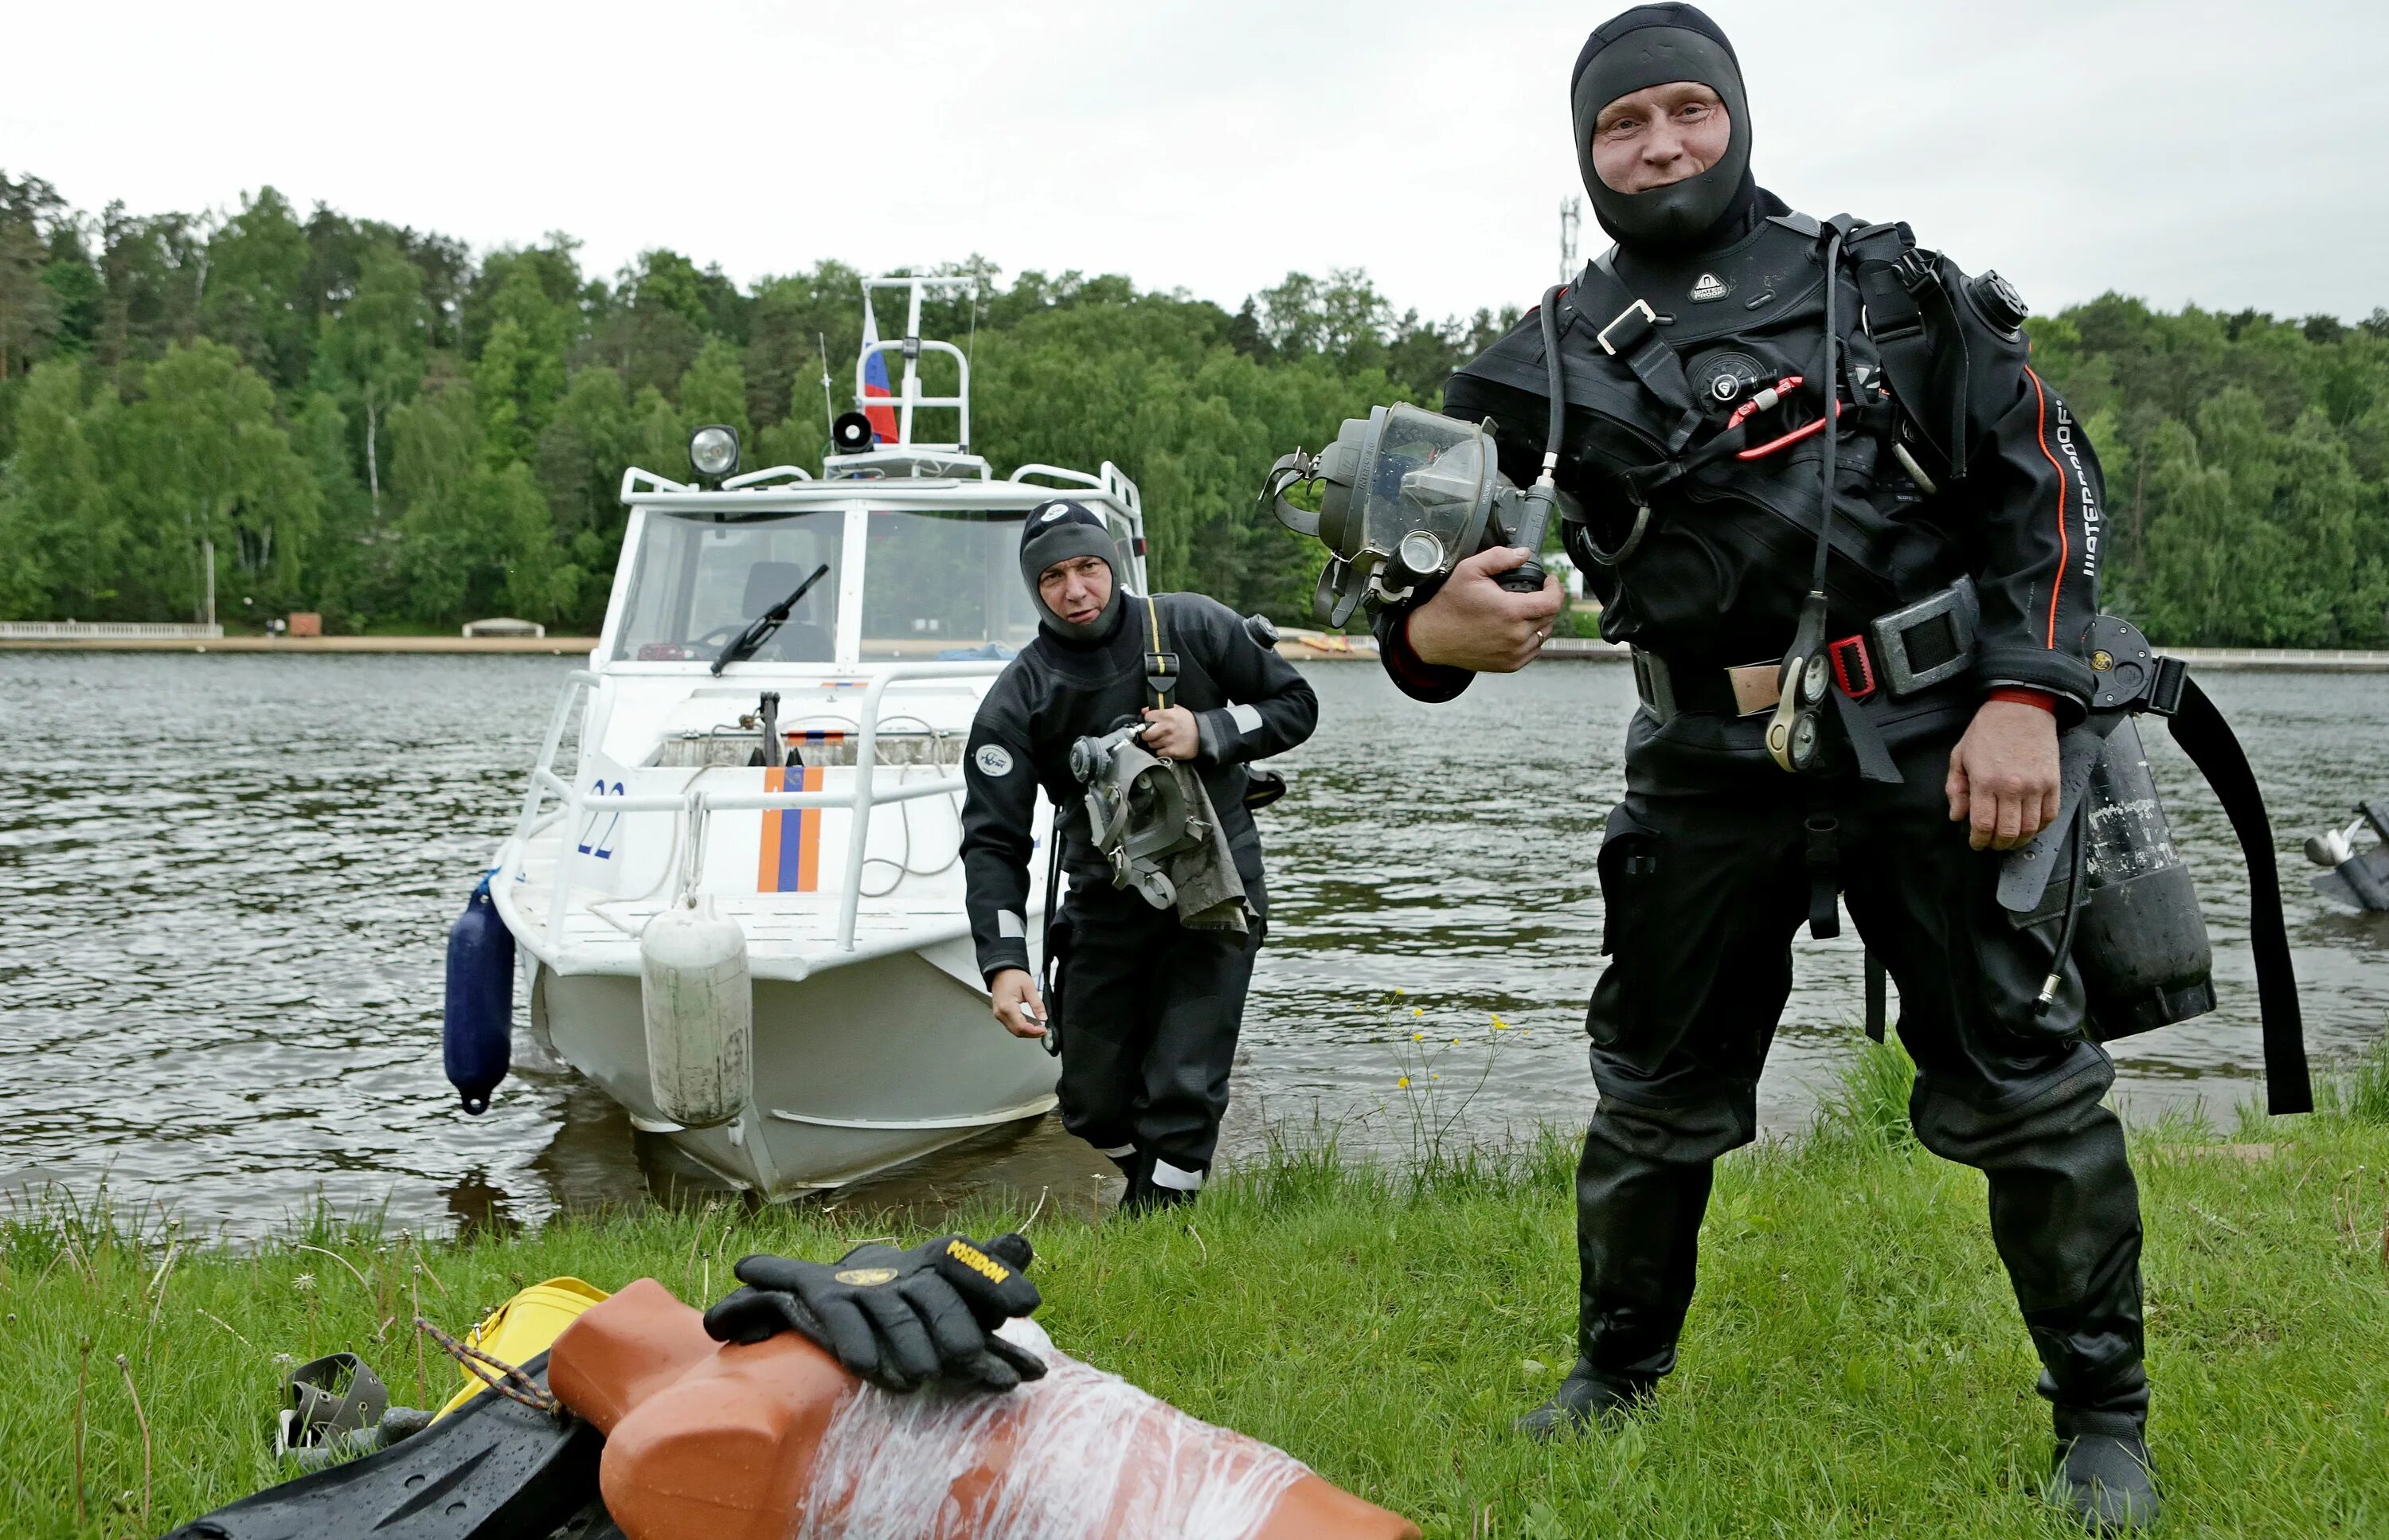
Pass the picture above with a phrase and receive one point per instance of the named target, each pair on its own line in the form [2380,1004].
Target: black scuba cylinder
[2142,950]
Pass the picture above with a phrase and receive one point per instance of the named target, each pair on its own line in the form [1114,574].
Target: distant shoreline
[1301,646]
[557,646]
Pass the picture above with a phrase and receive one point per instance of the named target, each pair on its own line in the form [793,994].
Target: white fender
[699,1002]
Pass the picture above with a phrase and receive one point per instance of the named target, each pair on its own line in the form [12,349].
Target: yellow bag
[523,1328]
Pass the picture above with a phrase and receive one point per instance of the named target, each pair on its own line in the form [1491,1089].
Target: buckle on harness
[1930,641]
[1640,308]
[1853,669]
[1912,271]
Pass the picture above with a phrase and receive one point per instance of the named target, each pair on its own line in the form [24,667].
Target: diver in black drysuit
[1711,861]
[1147,1009]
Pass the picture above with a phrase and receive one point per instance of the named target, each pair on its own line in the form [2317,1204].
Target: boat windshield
[945,581]
[696,584]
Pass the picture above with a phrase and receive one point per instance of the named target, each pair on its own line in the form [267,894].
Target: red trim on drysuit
[2064,544]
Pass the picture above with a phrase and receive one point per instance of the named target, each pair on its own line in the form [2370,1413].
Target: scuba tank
[2144,958]
[2140,944]
[2131,917]
[477,1027]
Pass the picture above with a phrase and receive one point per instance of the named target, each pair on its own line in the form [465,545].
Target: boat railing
[577,802]
[907,397]
[1111,481]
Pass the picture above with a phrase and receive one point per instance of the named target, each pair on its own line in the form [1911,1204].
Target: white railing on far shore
[107,631]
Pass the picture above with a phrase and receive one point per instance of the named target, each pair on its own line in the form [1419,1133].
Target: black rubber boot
[2102,1477]
[1584,1398]
[1137,1167]
[1145,1196]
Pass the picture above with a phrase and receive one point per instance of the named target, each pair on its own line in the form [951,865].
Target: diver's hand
[1170,734]
[1016,1004]
[2003,775]
[1474,623]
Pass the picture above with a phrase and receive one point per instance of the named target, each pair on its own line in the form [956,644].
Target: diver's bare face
[1077,590]
[1658,135]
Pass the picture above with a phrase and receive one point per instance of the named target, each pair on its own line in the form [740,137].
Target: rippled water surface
[225,882]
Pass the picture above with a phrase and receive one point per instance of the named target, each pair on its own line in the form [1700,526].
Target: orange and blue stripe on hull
[790,862]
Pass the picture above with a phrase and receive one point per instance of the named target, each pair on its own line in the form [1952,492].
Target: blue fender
[479,1026]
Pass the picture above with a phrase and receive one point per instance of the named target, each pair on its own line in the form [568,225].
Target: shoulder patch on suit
[992,759]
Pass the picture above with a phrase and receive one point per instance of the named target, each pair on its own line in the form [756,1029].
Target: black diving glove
[897,1318]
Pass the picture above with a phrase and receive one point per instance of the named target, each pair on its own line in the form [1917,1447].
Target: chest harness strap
[1160,663]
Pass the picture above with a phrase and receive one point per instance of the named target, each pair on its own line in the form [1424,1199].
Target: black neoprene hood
[1057,531]
[1633,51]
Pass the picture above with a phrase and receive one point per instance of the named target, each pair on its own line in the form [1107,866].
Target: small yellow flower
[1417,1010]
[1418,1037]
[1434,1077]
[1400,990]
[1455,1042]
[1500,1025]
[1402,1084]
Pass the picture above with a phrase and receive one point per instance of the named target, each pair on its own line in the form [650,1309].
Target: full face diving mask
[1408,494]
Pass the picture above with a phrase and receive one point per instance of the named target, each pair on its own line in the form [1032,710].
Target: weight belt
[1902,653]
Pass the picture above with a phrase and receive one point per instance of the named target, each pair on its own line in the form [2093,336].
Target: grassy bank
[1854,1363]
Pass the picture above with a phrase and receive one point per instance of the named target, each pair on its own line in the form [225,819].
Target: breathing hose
[1793,735]
[2076,902]
[1542,498]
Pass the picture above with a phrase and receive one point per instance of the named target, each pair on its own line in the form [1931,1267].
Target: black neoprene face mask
[1657,45]
[1057,531]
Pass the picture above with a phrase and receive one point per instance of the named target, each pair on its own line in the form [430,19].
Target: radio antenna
[829,410]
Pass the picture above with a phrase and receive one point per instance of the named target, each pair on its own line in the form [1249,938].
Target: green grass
[1853,1367]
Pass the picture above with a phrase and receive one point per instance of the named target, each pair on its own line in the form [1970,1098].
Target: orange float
[774,1441]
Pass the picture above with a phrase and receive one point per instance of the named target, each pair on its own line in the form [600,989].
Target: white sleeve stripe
[1248,718]
[1010,926]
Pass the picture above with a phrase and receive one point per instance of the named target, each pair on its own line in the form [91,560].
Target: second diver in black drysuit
[1961,575]
[1147,1009]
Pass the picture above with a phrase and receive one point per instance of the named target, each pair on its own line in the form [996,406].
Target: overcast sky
[2228,155]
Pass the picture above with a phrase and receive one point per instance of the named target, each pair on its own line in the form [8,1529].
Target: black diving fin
[497,1469]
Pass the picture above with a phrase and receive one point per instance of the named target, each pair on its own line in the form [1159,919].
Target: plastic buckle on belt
[1853,670]
[1912,271]
[2165,688]
[1640,308]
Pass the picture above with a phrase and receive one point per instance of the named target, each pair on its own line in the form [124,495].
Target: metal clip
[1641,307]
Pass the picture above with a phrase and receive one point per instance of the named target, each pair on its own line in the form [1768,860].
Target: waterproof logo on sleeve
[865,1277]
[1710,287]
[992,759]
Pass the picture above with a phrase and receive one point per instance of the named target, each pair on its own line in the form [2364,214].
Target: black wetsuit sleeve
[1412,674]
[2033,479]
[1270,706]
[999,810]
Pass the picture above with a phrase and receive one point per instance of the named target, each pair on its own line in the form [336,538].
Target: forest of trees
[372,422]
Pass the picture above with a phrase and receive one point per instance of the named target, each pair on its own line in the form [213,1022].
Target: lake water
[225,883]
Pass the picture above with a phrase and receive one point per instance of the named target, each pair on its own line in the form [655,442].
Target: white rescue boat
[770,963]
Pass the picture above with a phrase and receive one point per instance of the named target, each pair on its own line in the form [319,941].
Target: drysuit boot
[1149,1191]
[1136,1167]
[1641,1190]
[1150,1197]
[1585,1398]
[2102,1472]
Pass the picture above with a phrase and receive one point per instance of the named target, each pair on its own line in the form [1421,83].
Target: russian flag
[875,383]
